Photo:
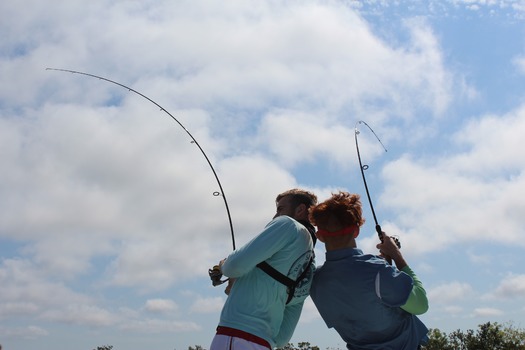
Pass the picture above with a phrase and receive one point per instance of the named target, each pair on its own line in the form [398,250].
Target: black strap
[310,229]
[276,275]
[287,281]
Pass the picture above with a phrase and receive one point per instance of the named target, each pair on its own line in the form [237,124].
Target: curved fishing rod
[365,167]
[221,193]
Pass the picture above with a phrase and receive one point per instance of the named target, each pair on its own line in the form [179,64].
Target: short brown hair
[299,197]
[343,206]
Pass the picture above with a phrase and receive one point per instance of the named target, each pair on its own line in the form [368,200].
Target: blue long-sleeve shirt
[257,302]
[361,297]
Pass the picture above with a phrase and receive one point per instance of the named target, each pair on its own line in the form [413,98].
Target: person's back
[257,301]
[368,301]
[368,314]
[264,302]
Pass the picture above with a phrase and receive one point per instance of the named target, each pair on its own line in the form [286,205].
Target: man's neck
[336,244]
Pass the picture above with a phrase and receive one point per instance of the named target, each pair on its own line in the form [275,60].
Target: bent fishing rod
[365,167]
[221,191]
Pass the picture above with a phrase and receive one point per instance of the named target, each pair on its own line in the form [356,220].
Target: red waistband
[232,332]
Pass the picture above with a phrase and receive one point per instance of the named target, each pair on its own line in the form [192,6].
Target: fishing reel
[395,238]
[216,275]
[398,242]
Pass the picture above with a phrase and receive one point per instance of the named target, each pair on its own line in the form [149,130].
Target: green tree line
[488,336]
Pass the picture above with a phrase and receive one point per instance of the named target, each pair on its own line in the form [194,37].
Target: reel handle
[380,235]
[216,275]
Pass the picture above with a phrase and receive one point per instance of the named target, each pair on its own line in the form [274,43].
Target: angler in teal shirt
[258,308]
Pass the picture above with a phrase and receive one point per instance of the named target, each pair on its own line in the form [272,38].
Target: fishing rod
[365,167]
[217,193]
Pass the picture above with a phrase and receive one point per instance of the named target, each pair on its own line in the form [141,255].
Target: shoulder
[395,285]
[283,220]
[284,223]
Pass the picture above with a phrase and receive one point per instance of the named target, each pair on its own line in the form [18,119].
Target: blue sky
[108,223]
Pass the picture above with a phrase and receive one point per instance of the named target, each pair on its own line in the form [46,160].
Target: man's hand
[221,263]
[390,251]
[231,281]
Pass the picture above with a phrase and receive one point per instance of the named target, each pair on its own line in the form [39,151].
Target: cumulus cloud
[475,258]
[26,287]
[207,305]
[511,286]
[454,310]
[478,187]
[160,305]
[309,312]
[91,161]
[155,326]
[29,332]
[519,63]
[487,312]
[86,315]
[449,292]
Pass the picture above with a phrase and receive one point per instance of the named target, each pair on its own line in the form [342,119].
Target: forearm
[268,242]
[417,302]
[400,262]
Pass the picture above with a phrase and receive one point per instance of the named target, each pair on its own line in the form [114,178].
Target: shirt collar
[342,253]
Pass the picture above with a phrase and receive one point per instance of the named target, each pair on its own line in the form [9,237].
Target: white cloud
[449,292]
[296,137]
[487,312]
[473,194]
[309,312]
[207,305]
[86,315]
[479,258]
[511,286]
[93,167]
[27,286]
[160,306]
[453,310]
[155,326]
[519,62]
[28,332]
[18,308]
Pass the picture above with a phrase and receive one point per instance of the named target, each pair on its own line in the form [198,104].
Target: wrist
[400,262]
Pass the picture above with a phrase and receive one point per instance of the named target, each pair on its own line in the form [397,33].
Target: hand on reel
[216,275]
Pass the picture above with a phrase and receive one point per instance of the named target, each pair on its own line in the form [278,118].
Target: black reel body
[216,275]
[395,238]
[398,242]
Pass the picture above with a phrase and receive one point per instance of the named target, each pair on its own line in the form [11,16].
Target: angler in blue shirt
[369,302]
[261,312]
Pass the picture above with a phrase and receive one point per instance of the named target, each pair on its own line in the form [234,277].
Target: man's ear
[301,211]
[319,236]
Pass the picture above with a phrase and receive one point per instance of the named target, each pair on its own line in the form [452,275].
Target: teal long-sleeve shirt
[257,302]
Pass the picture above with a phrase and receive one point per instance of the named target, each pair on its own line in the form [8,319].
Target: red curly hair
[343,206]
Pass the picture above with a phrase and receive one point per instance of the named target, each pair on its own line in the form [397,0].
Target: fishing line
[365,167]
[193,140]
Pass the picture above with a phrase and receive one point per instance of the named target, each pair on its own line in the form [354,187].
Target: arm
[390,251]
[290,319]
[262,247]
[417,302]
